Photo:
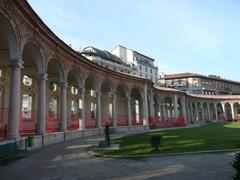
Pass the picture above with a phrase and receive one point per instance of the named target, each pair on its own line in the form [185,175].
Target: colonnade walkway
[71,160]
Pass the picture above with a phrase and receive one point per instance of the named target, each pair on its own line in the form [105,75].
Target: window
[151,71]
[26,106]
[74,107]
[146,69]
[52,107]
[74,90]
[53,86]
[27,81]
[137,111]
[140,67]
[92,93]
[1,73]
[93,109]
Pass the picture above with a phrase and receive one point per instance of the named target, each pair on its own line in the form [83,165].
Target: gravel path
[71,160]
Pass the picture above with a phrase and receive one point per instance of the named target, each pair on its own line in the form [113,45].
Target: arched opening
[228,111]
[212,112]
[122,107]
[237,111]
[106,104]
[205,112]
[194,112]
[169,108]
[55,81]
[75,105]
[33,66]
[90,103]
[180,106]
[8,54]
[136,107]
[220,113]
[156,105]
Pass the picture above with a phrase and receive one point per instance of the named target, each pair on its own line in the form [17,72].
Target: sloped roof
[101,53]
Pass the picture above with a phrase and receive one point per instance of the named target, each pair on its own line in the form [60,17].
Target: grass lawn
[209,137]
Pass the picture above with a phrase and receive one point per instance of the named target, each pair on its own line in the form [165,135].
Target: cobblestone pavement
[71,160]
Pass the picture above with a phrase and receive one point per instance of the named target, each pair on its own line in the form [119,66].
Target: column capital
[42,76]
[113,95]
[82,90]
[63,84]
[98,93]
[16,63]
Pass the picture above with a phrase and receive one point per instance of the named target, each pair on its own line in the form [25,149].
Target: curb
[165,154]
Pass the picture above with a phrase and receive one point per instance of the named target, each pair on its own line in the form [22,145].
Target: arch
[90,102]
[55,84]
[74,103]
[205,111]
[124,88]
[228,111]
[9,53]
[169,107]
[54,67]
[220,112]
[136,106]
[180,106]
[33,65]
[36,52]
[138,90]
[90,82]
[212,109]
[236,107]
[122,106]
[8,36]
[106,103]
[75,77]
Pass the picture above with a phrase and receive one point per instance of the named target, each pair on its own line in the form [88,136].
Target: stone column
[129,112]
[184,110]
[63,113]
[82,96]
[151,105]
[114,110]
[99,116]
[224,111]
[14,99]
[164,112]
[145,106]
[215,107]
[233,112]
[192,112]
[42,104]
[176,106]
[209,112]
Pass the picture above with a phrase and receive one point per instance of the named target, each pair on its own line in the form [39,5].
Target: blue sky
[201,36]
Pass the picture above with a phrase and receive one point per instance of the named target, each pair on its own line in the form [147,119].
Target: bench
[10,151]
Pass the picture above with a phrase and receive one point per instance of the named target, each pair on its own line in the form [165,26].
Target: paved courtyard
[72,160]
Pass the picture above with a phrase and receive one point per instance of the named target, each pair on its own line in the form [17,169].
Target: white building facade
[106,59]
[145,65]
